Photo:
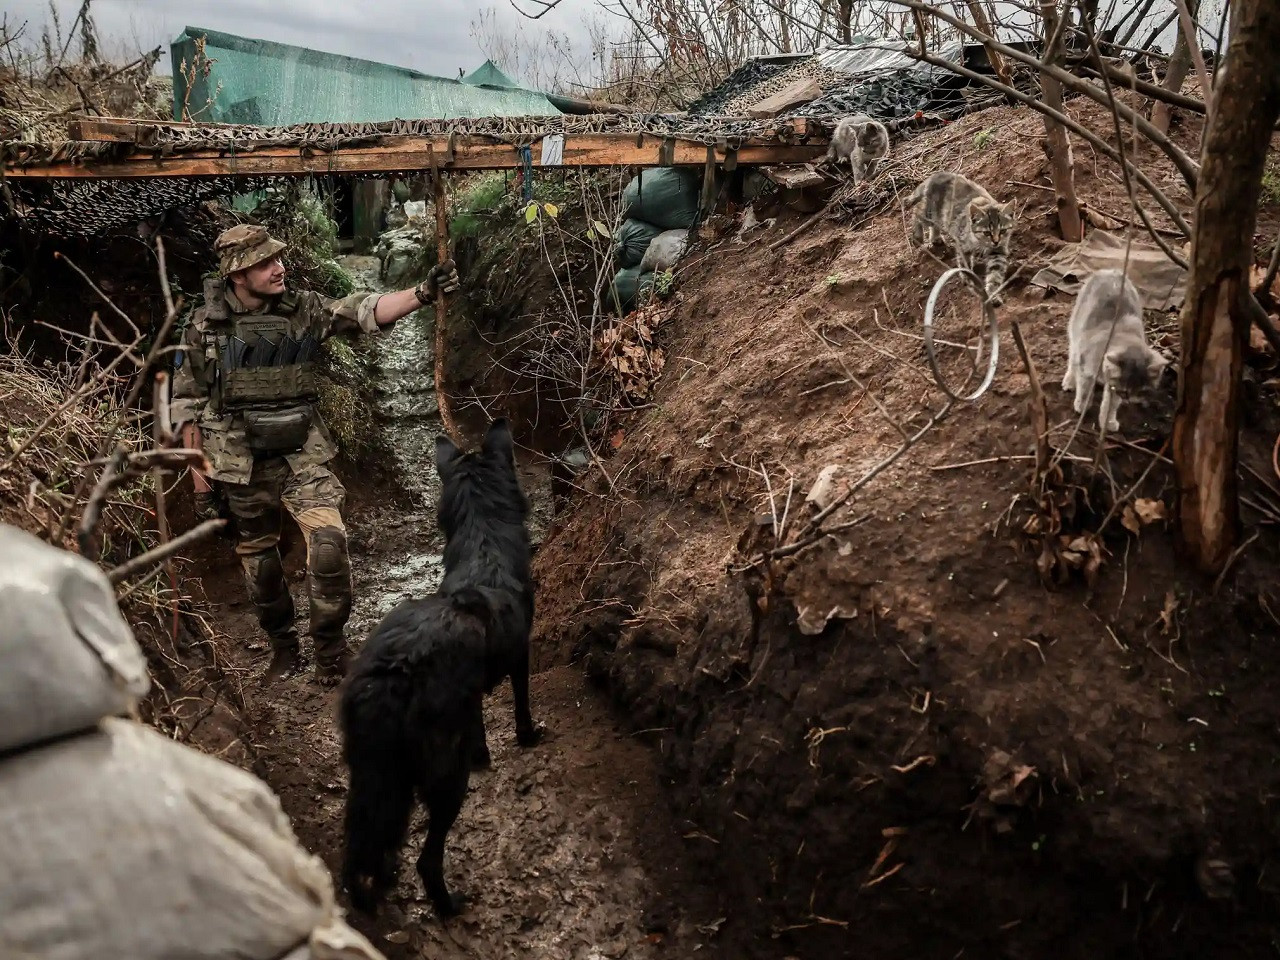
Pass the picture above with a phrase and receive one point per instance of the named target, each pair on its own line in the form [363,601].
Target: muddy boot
[264,574]
[330,584]
[286,659]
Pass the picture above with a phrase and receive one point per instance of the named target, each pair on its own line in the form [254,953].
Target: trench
[568,850]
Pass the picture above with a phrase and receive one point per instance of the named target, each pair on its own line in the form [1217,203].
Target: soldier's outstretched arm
[369,312]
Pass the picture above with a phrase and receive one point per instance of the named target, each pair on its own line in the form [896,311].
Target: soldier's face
[264,279]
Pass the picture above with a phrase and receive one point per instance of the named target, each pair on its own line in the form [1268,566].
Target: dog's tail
[382,763]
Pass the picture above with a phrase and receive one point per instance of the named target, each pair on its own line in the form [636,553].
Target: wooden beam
[396,154]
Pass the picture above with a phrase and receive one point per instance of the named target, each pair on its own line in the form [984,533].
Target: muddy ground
[568,850]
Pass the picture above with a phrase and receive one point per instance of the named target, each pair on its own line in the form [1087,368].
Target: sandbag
[627,290]
[67,657]
[665,250]
[667,197]
[632,240]
[123,843]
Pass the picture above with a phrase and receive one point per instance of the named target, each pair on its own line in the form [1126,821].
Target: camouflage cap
[244,245]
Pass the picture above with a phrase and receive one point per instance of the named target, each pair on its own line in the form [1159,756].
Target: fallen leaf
[397,936]
[616,440]
[1129,520]
[823,491]
[712,928]
[1167,614]
[1149,511]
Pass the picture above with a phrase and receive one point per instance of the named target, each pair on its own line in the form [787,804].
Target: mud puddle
[567,850]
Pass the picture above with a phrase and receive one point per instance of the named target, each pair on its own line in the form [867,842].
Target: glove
[443,276]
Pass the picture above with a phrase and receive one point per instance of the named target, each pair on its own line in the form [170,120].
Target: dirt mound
[959,759]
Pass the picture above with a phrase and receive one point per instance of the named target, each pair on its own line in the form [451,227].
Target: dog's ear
[498,440]
[446,451]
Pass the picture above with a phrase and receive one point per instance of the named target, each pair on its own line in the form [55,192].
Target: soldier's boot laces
[270,595]
[330,583]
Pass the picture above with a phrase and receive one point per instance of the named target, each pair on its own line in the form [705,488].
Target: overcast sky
[433,36]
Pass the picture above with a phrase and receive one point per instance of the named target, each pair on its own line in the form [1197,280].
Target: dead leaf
[823,491]
[1149,511]
[712,928]
[1258,341]
[397,936]
[616,440]
[1129,520]
[1167,621]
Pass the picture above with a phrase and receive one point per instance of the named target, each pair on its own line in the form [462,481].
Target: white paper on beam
[552,150]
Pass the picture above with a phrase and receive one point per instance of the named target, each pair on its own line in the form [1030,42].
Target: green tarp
[263,82]
[488,75]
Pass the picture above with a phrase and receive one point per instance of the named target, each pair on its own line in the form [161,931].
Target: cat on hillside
[960,212]
[1107,341]
[860,142]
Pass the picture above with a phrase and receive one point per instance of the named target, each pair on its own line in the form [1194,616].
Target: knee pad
[264,574]
[329,552]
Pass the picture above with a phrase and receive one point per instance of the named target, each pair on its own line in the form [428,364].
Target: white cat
[1107,340]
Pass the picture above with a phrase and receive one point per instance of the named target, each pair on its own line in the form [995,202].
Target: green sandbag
[626,291]
[632,241]
[666,197]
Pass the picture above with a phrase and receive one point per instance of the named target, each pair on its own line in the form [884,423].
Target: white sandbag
[67,657]
[665,251]
[121,843]
[415,209]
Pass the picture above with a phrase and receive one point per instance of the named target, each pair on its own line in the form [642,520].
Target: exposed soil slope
[962,762]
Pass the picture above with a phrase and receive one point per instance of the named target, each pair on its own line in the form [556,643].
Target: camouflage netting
[871,76]
[93,206]
[167,139]
[750,76]
[98,207]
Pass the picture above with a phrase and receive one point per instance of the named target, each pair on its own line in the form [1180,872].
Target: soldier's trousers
[314,498]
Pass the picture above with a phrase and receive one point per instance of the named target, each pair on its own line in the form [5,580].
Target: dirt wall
[963,761]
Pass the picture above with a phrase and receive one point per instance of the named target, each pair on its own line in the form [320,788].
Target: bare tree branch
[546,5]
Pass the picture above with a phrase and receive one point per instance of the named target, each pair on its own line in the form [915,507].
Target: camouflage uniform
[266,443]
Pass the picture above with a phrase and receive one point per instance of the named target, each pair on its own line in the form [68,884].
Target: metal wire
[993,329]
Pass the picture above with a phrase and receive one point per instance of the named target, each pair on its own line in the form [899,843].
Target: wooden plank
[800,91]
[397,154]
[794,177]
[110,131]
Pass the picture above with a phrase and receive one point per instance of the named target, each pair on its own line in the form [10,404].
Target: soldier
[244,391]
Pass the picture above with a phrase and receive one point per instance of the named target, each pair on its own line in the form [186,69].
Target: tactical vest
[266,370]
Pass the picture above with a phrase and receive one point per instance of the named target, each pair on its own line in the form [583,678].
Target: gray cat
[1107,340]
[970,220]
[860,142]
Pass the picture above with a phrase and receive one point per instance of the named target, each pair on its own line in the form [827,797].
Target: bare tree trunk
[1057,144]
[846,19]
[997,62]
[784,23]
[1179,67]
[1215,318]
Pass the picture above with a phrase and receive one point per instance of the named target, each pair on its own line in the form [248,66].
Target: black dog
[482,514]
[412,715]
[408,718]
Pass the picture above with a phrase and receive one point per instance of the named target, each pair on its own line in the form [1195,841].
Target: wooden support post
[442,309]
[709,183]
